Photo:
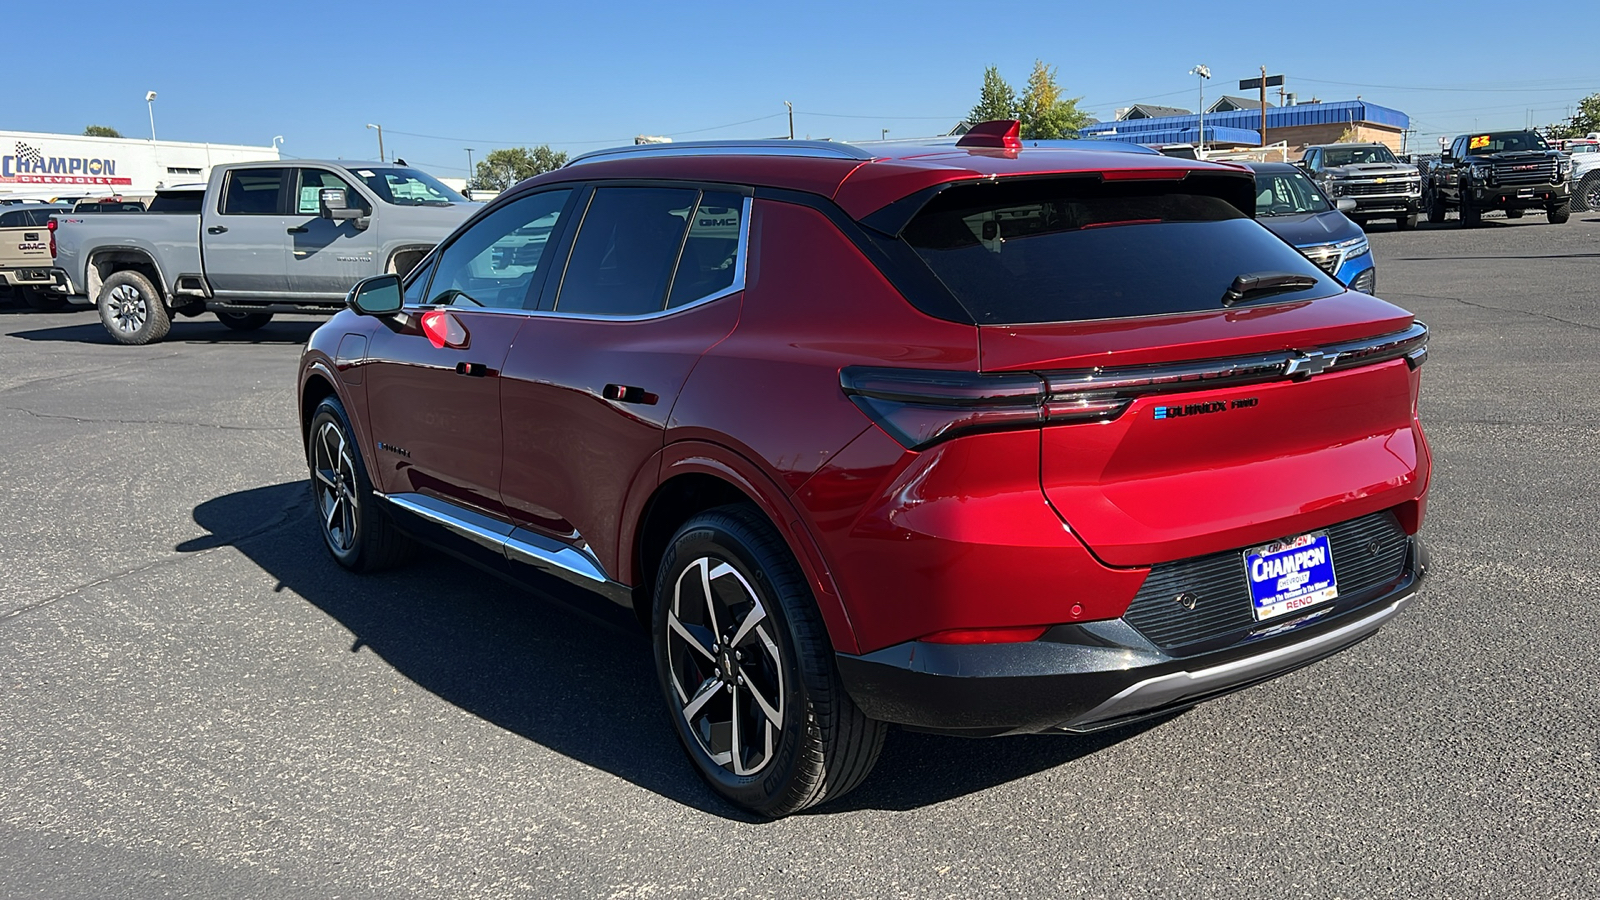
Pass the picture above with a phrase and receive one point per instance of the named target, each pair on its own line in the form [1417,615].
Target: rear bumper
[43,277]
[1082,678]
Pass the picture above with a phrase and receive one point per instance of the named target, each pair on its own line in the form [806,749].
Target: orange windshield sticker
[1478,142]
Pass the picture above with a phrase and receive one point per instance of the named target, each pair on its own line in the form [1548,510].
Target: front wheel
[131,310]
[747,670]
[1435,207]
[1406,223]
[1471,216]
[1558,215]
[240,321]
[360,536]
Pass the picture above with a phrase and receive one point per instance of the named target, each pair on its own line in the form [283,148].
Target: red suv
[972,438]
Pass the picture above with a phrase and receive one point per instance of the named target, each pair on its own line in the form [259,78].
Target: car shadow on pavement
[184,331]
[583,686]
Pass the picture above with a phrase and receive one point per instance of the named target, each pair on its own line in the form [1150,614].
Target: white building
[46,166]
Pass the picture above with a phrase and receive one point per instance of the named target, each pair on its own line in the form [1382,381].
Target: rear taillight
[50,226]
[919,407]
[1009,635]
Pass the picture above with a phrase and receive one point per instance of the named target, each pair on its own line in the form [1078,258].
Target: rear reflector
[1013,635]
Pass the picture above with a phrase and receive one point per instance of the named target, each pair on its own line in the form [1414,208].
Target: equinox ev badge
[1200,409]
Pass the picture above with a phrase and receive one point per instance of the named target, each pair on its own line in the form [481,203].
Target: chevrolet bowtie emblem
[1306,365]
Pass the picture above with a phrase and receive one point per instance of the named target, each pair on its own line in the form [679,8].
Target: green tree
[503,168]
[996,101]
[101,131]
[1586,120]
[1044,113]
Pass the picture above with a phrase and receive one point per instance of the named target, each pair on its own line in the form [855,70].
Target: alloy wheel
[334,469]
[725,668]
[129,310]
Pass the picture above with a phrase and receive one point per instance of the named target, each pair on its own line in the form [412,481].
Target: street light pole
[469,167]
[885,135]
[380,141]
[791,118]
[150,100]
[1204,72]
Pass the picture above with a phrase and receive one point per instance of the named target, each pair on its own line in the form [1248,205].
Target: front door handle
[627,393]
[217,229]
[299,230]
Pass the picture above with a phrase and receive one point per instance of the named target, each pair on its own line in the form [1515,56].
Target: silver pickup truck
[261,238]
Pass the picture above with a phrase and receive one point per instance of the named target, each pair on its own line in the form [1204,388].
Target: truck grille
[1368,552]
[1370,188]
[1542,172]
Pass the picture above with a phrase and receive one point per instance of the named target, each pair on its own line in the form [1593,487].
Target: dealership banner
[29,165]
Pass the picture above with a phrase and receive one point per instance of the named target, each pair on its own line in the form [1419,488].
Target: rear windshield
[1073,249]
[178,202]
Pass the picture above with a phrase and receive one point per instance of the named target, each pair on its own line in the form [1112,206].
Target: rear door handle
[216,229]
[472,369]
[300,230]
[627,393]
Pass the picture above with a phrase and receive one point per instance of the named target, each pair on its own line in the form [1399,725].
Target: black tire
[779,670]
[1558,215]
[131,309]
[239,321]
[358,534]
[1586,198]
[44,301]
[1406,223]
[1471,216]
[1514,213]
[1435,207]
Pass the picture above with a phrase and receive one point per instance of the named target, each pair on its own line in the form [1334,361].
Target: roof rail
[766,147]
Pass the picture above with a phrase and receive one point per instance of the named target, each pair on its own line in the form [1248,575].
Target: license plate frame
[1290,575]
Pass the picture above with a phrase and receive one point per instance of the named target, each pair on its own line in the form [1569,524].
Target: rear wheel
[1587,197]
[1514,213]
[1471,216]
[241,321]
[1406,223]
[131,310]
[1558,215]
[1435,207]
[747,670]
[358,534]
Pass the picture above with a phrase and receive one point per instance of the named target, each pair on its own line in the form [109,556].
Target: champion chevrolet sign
[29,165]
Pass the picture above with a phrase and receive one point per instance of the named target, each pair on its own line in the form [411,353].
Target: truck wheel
[1471,216]
[131,310]
[1435,207]
[1514,213]
[1558,215]
[42,300]
[747,670]
[239,321]
[1406,223]
[1587,197]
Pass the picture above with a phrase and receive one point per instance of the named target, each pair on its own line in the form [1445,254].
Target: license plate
[1290,575]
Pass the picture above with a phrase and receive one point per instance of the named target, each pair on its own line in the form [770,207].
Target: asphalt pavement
[195,701]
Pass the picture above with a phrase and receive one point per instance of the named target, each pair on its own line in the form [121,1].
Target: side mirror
[1346,204]
[333,204]
[379,295]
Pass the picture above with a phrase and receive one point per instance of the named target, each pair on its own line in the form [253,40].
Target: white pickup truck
[260,238]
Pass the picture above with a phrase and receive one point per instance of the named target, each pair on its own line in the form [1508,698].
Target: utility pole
[1204,72]
[1263,107]
[791,118]
[470,171]
[380,141]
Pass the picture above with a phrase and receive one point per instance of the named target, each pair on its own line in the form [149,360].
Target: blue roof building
[1299,125]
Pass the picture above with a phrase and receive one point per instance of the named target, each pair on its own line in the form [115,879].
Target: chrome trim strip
[476,527]
[548,555]
[801,149]
[1174,688]
[518,545]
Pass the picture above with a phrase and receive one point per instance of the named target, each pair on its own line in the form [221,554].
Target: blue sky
[580,76]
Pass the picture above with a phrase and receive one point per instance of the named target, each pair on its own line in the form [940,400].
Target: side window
[495,261]
[711,251]
[309,196]
[627,247]
[252,192]
[417,282]
[1315,160]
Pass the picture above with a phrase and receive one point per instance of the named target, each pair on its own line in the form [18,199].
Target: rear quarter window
[1074,249]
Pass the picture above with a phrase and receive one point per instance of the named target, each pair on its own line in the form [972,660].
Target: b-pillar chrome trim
[518,545]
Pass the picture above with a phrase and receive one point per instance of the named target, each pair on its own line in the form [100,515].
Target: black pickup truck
[1514,171]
